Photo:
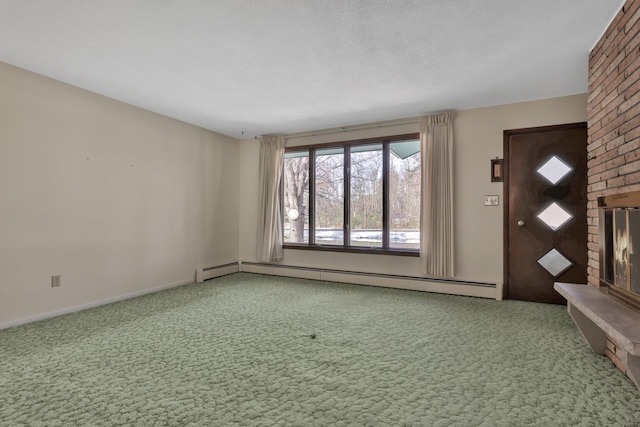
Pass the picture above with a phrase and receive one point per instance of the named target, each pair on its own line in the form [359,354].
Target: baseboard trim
[207,273]
[426,284]
[92,304]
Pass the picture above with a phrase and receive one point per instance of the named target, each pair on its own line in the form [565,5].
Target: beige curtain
[436,143]
[270,210]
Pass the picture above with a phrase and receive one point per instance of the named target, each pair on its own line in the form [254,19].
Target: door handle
[520,223]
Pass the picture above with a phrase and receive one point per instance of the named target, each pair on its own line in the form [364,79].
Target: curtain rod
[353,128]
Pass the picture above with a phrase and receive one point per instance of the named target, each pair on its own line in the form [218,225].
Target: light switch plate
[492,200]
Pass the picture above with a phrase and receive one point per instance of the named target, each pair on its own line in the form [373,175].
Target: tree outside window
[358,195]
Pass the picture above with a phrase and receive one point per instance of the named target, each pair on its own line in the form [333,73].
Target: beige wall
[120,201]
[116,199]
[479,229]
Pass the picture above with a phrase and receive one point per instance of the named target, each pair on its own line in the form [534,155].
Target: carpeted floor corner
[255,350]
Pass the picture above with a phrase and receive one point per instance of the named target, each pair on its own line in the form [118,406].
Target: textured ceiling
[254,67]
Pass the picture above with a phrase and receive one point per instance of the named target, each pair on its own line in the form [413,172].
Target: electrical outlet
[55,281]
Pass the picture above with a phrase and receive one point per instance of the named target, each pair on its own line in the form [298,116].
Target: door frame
[505,188]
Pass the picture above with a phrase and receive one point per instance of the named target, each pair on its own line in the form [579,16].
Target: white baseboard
[92,304]
[203,274]
[475,289]
[453,287]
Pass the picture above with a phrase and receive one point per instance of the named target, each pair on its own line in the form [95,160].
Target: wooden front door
[545,210]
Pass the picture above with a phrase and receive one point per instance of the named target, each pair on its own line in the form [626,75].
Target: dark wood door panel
[527,237]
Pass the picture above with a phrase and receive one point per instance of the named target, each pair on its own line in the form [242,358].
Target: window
[356,196]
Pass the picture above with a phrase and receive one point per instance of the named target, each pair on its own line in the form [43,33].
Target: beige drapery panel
[270,233]
[436,143]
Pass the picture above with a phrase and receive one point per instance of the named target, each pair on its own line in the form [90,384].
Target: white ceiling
[254,67]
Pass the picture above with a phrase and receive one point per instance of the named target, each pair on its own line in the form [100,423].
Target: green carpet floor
[254,350]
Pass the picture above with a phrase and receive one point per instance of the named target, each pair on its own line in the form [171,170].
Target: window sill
[355,250]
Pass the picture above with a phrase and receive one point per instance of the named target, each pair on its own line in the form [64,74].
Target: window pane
[296,197]
[329,196]
[554,170]
[366,196]
[555,263]
[554,216]
[404,195]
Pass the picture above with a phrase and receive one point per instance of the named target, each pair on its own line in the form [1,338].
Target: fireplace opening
[619,260]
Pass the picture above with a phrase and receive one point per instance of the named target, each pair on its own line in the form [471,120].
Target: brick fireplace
[614,124]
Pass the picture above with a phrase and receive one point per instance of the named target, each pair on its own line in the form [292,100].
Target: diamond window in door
[554,216]
[555,263]
[554,170]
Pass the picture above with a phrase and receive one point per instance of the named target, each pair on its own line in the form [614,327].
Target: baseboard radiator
[444,286]
[207,273]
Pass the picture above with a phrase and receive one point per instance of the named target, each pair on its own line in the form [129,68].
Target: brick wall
[613,109]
